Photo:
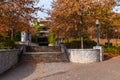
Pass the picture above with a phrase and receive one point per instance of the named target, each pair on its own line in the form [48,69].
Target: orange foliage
[72,18]
[16,14]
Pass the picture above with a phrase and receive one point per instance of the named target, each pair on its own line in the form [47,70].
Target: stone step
[45,57]
[43,49]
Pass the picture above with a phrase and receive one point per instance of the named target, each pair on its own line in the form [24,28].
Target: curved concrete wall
[84,55]
[8,58]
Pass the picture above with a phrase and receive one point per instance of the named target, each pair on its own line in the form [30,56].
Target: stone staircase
[44,54]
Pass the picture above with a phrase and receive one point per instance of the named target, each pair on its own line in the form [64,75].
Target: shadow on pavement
[21,71]
[106,57]
[54,74]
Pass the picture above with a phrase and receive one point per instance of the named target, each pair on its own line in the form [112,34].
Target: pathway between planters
[107,70]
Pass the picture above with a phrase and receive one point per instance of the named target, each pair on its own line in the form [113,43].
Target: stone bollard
[101,52]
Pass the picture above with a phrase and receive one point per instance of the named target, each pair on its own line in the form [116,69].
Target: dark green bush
[34,39]
[3,47]
[17,36]
[7,43]
[76,43]
[112,49]
[10,43]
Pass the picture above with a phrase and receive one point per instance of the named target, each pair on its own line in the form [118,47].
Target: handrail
[63,49]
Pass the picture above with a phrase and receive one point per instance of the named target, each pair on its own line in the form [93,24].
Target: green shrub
[112,49]
[76,43]
[3,47]
[52,38]
[7,44]
[17,36]
[10,43]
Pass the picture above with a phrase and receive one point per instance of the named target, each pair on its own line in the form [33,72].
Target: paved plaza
[106,70]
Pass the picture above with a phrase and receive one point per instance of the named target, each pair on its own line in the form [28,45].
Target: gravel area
[106,70]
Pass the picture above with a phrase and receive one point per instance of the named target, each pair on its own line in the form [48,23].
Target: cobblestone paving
[107,70]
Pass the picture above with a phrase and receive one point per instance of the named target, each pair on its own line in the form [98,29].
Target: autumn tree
[68,18]
[15,15]
[108,19]
[73,18]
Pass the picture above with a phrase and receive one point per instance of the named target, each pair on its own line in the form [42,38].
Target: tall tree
[73,18]
[104,13]
[16,14]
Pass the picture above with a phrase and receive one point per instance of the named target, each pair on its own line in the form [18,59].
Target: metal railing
[63,48]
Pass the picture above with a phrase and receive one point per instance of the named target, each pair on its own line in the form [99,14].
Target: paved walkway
[107,70]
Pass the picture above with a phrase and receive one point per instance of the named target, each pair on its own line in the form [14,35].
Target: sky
[117,9]
[47,5]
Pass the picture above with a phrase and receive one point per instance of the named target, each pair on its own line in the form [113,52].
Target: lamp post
[116,36]
[97,32]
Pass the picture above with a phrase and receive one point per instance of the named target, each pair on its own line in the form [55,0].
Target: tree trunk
[81,42]
[108,39]
[12,34]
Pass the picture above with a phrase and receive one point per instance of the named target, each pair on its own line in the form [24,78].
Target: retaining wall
[8,58]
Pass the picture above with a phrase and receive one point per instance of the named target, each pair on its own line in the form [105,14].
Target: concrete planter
[84,55]
[101,52]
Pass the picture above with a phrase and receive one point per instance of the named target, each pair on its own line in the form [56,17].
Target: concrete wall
[101,52]
[84,55]
[8,58]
